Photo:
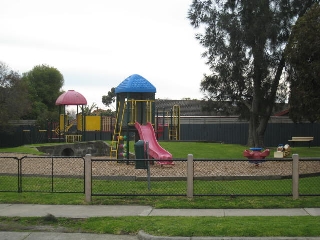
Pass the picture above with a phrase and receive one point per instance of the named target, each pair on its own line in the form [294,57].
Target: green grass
[306,226]
[181,226]
[309,185]
[209,150]
[200,150]
[163,201]
[27,149]
[204,150]
[22,149]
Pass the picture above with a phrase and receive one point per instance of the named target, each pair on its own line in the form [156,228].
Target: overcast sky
[97,44]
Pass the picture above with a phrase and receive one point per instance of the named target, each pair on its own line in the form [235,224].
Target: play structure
[135,117]
[169,119]
[72,98]
[147,134]
[73,130]
[256,155]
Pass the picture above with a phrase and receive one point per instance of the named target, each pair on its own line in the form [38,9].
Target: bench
[301,139]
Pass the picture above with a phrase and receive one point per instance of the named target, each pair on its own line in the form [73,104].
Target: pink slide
[146,133]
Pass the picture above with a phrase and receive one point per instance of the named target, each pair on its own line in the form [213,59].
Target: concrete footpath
[87,211]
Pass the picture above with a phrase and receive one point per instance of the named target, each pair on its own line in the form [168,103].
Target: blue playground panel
[135,83]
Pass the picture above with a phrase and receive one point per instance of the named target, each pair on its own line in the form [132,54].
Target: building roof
[135,83]
[285,112]
[71,97]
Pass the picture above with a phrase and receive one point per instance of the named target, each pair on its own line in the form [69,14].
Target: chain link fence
[227,177]
[42,174]
[9,174]
[309,182]
[112,177]
[243,177]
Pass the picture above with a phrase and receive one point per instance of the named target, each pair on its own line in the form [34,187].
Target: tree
[303,57]
[88,110]
[244,42]
[107,100]
[44,84]
[13,96]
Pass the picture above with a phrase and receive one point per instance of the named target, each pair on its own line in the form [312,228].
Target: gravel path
[75,166]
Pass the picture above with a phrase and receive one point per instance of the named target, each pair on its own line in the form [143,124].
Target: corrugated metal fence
[237,133]
[200,129]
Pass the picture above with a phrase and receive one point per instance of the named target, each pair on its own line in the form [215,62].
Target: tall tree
[303,57]
[44,84]
[88,110]
[13,96]
[107,100]
[244,42]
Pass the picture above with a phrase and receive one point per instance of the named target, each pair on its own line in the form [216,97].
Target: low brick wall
[95,148]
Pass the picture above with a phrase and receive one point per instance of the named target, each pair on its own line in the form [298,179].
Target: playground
[139,121]
[135,116]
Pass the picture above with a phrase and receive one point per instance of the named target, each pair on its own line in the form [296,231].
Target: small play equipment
[256,155]
[135,103]
[76,130]
[282,151]
[70,97]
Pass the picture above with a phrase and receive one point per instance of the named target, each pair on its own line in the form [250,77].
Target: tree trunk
[256,133]
[258,123]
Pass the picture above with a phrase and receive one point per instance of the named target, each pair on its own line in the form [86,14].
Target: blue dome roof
[135,83]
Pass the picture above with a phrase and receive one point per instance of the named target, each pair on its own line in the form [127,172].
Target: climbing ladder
[174,126]
[129,109]
[117,130]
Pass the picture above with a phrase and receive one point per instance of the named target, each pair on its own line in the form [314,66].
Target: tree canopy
[107,100]
[245,42]
[44,85]
[88,110]
[13,96]
[303,57]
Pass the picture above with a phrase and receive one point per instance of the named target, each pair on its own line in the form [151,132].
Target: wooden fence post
[87,178]
[295,176]
[190,176]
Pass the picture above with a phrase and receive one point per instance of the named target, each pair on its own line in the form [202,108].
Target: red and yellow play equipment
[73,130]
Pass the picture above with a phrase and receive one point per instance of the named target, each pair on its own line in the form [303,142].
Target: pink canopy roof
[71,97]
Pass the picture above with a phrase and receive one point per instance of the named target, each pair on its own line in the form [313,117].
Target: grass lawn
[179,226]
[176,226]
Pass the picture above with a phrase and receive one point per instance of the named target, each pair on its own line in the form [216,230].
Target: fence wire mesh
[272,177]
[9,174]
[112,177]
[242,177]
[309,182]
[42,174]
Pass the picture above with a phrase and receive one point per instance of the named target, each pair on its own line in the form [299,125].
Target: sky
[99,43]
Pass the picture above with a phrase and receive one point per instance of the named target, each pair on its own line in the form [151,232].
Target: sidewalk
[87,211]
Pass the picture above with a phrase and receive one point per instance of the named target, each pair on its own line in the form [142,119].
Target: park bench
[301,139]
